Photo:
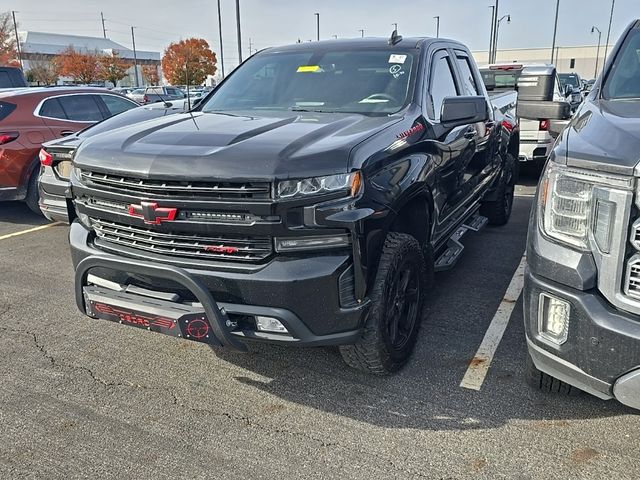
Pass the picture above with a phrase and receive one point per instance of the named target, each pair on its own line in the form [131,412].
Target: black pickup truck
[582,286]
[305,201]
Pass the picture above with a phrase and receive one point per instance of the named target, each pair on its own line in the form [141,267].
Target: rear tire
[546,383]
[33,196]
[498,211]
[392,326]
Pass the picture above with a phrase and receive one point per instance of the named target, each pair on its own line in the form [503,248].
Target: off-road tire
[374,351]
[33,196]
[498,211]
[546,383]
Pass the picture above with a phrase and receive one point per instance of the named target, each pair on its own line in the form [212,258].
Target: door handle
[65,133]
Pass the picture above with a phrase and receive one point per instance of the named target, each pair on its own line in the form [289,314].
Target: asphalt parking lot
[82,398]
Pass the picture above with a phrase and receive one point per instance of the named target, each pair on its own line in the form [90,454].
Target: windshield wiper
[298,109]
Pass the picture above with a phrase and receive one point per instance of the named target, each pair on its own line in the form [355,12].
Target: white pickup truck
[537,83]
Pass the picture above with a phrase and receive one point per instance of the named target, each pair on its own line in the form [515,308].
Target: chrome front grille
[235,248]
[176,189]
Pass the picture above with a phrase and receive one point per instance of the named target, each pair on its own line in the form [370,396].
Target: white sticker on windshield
[395,58]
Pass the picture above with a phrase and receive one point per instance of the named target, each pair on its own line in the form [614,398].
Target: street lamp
[437,17]
[317,26]
[555,30]
[593,30]
[493,20]
[495,48]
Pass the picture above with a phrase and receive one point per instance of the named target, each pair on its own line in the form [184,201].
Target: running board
[452,253]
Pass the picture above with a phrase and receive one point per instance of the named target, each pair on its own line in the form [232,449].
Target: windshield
[355,81]
[623,82]
[569,79]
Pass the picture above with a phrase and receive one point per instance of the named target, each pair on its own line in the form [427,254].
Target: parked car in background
[162,94]
[537,85]
[571,86]
[136,95]
[123,90]
[582,286]
[308,205]
[56,158]
[31,116]
[12,77]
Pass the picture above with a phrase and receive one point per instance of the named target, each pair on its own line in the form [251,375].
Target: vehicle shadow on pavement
[426,393]
[18,213]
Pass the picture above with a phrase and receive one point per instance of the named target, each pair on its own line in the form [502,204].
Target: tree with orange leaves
[150,72]
[112,68]
[81,67]
[8,47]
[188,62]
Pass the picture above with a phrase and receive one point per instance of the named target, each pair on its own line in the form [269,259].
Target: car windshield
[367,81]
[623,82]
[569,79]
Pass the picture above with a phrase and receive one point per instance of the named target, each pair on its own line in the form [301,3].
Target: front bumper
[602,353]
[303,292]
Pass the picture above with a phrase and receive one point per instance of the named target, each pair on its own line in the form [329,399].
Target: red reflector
[46,159]
[507,125]
[544,125]
[145,99]
[6,137]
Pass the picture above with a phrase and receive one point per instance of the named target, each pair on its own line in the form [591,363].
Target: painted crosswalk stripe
[479,365]
[30,230]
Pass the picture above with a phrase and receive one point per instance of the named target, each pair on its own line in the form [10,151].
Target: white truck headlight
[349,183]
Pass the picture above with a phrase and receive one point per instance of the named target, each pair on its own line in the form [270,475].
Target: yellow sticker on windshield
[308,68]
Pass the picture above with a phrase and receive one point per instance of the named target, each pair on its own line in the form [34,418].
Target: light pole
[15,29]
[317,26]
[361,32]
[238,28]
[495,47]
[593,30]
[493,20]
[135,57]
[437,17]
[220,31]
[606,45]
[555,30]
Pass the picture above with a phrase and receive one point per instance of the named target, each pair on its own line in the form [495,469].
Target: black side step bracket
[449,257]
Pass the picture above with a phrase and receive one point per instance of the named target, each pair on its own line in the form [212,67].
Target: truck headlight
[306,187]
[575,205]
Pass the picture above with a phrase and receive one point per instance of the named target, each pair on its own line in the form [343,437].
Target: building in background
[580,60]
[36,46]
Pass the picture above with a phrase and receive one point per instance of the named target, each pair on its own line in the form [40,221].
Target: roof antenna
[395,38]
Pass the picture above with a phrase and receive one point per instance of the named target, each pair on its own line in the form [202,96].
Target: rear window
[51,108]
[5,109]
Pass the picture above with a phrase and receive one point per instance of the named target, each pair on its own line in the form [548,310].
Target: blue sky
[276,22]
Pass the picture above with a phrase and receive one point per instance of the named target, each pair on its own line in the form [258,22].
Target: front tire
[392,326]
[546,383]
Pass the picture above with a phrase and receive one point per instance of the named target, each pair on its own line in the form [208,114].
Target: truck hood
[605,135]
[209,146]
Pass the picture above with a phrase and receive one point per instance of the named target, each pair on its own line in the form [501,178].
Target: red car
[31,116]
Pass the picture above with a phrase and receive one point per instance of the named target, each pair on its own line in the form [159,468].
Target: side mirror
[463,110]
[567,90]
[537,110]
[196,102]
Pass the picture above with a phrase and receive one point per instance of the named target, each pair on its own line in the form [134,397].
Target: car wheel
[546,383]
[392,325]
[498,211]
[33,196]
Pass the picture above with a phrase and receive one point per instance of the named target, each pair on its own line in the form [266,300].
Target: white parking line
[479,365]
[30,230]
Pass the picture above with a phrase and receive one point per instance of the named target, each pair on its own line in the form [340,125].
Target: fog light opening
[553,319]
[270,324]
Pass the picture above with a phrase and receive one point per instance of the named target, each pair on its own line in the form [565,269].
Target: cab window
[442,84]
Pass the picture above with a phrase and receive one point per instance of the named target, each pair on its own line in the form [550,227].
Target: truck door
[454,148]
[481,134]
